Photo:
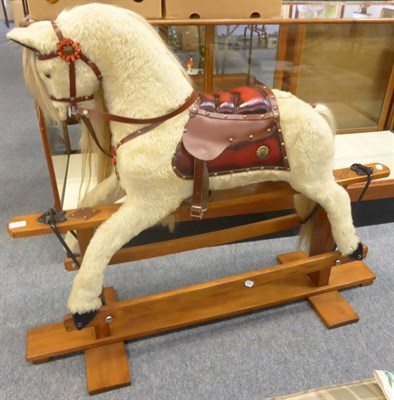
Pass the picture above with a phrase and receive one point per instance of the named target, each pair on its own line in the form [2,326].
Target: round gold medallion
[262,152]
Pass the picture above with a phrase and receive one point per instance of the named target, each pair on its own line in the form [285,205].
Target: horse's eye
[47,74]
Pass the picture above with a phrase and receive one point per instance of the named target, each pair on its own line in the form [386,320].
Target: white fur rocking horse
[99,57]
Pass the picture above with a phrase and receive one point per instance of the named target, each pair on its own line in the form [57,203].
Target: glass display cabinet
[337,53]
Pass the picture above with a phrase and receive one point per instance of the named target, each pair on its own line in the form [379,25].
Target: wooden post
[107,366]
[321,241]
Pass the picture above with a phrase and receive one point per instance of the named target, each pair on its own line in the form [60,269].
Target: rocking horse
[109,68]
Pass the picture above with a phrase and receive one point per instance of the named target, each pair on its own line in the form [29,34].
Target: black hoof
[81,320]
[358,253]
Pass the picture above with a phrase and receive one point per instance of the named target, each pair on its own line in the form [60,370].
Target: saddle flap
[225,118]
[206,137]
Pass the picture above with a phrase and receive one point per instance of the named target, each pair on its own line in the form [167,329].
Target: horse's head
[60,75]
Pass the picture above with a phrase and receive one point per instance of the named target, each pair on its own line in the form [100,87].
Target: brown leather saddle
[229,132]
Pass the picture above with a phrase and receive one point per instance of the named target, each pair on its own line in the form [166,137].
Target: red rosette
[68,50]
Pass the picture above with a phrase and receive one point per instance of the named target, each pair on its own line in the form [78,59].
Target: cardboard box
[17,11]
[50,9]
[211,9]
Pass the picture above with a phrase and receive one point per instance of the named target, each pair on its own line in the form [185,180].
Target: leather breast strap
[85,116]
[94,114]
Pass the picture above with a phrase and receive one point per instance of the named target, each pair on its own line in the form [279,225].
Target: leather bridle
[70,51]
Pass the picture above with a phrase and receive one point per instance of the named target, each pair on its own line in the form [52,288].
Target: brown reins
[70,51]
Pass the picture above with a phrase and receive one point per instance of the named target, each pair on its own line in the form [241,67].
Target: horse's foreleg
[135,215]
[106,192]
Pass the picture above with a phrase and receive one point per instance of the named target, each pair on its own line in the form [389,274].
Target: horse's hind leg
[336,202]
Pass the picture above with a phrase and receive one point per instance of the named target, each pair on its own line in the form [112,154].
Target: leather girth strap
[200,189]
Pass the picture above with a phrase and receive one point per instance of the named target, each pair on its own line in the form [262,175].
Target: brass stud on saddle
[251,137]
[262,152]
[231,140]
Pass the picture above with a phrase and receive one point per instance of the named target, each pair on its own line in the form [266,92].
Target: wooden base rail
[316,277]
[103,342]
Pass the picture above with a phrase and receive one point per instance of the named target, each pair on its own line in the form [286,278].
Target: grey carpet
[281,350]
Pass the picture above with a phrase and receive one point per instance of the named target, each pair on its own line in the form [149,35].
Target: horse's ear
[39,37]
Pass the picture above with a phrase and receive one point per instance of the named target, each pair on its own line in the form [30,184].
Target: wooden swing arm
[262,197]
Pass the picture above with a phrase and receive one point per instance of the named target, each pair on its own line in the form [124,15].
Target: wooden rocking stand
[316,278]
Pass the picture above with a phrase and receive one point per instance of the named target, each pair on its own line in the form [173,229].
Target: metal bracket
[84,213]
[51,218]
[360,169]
